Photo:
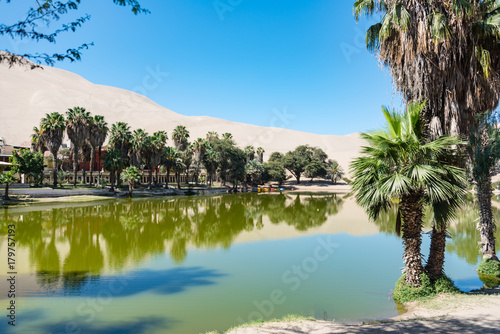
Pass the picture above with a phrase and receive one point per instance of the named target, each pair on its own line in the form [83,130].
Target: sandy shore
[467,313]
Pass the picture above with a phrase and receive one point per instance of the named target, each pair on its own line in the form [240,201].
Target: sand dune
[27,95]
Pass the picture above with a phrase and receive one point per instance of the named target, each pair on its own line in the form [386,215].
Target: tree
[260,154]
[37,143]
[139,144]
[28,163]
[274,171]
[211,135]
[397,166]
[52,128]
[254,170]
[445,52]
[131,175]
[98,131]
[169,158]
[250,152]
[179,167]
[120,138]
[7,179]
[484,150]
[38,23]
[180,137]
[315,168]
[275,156]
[187,159]
[113,162]
[211,160]
[158,144]
[77,120]
[335,171]
[199,151]
[297,160]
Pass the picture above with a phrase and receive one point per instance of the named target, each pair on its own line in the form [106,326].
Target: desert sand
[27,95]
[469,313]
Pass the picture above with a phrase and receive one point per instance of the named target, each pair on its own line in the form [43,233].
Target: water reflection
[70,247]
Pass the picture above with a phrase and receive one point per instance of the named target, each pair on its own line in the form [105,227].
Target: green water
[195,264]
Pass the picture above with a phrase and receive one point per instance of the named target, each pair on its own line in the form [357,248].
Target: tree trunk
[112,180]
[435,262]
[75,165]
[100,167]
[298,179]
[412,212]
[6,195]
[54,172]
[150,178]
[118,178]
[168,178]
[178,176]
[130,187]
[92,158]
[156,177]
[486,225]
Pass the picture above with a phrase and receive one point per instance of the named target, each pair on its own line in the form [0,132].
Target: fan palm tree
[199,149]
[158,143]
[227,136]
[131,175]
[211,135]
[187,159]
[120,138]
[138,145]
[398,166]
[169,158]
[211,162]
[335,171]
[250,152]
[180,137]
[445,52]
[77,119]
[37,144]
[52,128]
[260,154]
[7,179]
[98,130]
[113,162]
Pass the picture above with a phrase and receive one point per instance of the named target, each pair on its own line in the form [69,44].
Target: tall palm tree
[211,135]
[169,158]
[131,175]
[187,159]
[199,149]
[37,143]
[52,128]
[260,154]
[211,160]
[77,119]
[227,136]
[398,166]
[250,152]
[113,162]
[98,130]
[138,144]
[180,137]
[120,138]
[445,52]
[158,144]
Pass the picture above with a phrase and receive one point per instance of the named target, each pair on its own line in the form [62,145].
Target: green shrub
[489,267]
[406,293]
[489,281]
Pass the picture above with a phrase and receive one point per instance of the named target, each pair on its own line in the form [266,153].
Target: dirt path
[469,313]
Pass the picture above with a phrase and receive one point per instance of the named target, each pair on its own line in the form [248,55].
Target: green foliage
[274,171]
[315,168]
[489,281]
[275,156]
[489,267]
[335,171]
[254,170]
[28,163]
[7,179]
[297,160]
[131,174]
[404,292]
[112,160]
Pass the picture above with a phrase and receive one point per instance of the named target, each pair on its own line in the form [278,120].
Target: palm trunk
[130,187]
[112,179]
[92,158]
[6,194]
[486,225]
[178,176]
[156,177]
[435,262]
[412,212]
[54,172]
[75,165]
[100,167]
[83,171]
[168,178]
[150,178]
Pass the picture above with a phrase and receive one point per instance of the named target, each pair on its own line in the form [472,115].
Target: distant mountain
[27,95]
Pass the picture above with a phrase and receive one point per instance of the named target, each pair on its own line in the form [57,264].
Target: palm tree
[84,153]
[169,158]
[98,130]
[250,152]
[187,159]
[7,179]
[398,166]
[113,162]
[484,150]
[227,136]
[52,128]
[37,144]
[199,149]
[260,154]
[139,144]
[179,167]
[158,143]
[445,52]
[77,129]
[120,138]
[335,171]
[131,175]
[211,162]
[180,137]
[211,135]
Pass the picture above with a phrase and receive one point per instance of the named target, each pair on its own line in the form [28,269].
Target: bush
[406,293]
[489,267]
[489,281]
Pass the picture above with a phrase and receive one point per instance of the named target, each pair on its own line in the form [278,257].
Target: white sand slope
[27,95]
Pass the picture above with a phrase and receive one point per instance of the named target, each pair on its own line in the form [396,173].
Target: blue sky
[234,59]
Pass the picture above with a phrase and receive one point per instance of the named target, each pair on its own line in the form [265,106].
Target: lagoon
[202,263]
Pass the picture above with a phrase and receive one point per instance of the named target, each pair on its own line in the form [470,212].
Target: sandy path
[443,314]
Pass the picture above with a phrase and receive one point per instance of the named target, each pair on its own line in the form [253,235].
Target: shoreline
[471,312]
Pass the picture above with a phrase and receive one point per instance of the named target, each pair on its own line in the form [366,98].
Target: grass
[428,288]
[286,318]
